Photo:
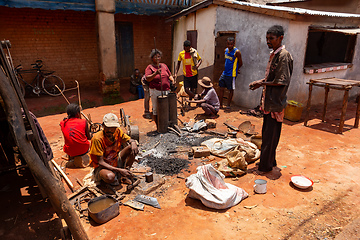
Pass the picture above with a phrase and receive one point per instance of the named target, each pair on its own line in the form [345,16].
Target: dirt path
[331,160]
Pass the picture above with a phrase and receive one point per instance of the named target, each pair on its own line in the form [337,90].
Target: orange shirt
[102,146]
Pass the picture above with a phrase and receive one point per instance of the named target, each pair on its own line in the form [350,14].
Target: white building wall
[251,40]
[204,22]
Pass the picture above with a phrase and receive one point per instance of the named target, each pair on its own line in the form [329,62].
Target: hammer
[132,186]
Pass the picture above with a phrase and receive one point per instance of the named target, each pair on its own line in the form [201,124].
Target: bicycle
[48,80]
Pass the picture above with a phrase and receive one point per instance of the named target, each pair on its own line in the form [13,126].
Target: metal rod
[158,65]
[87,119]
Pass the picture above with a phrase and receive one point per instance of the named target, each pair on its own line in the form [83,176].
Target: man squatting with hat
[110,159]
[191,61]
[209,100]
[273,100]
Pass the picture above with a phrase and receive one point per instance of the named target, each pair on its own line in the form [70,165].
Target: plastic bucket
[293,111]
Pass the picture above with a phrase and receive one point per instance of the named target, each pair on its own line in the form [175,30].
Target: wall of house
[65,41]
[251,40]
[145,28]
[204,22]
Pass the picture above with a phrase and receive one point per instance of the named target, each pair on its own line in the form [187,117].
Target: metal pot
[103,208]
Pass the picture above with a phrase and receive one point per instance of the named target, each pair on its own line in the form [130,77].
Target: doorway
[124,48]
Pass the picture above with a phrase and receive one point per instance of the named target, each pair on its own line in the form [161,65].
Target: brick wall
[65,40]
[145,28]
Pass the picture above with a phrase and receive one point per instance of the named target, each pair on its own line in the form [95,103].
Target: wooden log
[52,186]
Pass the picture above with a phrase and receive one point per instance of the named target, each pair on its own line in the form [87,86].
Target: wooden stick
[78,88]
[79,182]
[67,180]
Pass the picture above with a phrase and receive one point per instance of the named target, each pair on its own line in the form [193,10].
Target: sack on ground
[209,187]
[236,159]
[224,168]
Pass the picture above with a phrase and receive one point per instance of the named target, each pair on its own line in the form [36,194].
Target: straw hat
[205,82]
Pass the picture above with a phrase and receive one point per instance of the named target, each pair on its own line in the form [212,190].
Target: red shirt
[156,83]
[76,142]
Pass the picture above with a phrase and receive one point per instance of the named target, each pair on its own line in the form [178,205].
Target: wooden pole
[356,124]
[343,110]
[67,180]
[308,104]
[325,102]
[51,185]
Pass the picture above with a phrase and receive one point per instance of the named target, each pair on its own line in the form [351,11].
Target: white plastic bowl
[301,181]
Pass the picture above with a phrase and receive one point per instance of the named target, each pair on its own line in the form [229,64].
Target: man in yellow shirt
[191,61]
[110,159]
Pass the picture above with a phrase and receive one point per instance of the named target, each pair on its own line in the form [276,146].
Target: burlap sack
[236,159]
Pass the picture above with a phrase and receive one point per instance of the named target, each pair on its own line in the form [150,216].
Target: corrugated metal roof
[279,11]
[347,31]
[293,10]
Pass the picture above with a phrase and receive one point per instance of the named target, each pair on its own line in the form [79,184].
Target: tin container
[103,208]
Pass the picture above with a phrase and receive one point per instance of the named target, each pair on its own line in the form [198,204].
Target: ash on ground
[155,151]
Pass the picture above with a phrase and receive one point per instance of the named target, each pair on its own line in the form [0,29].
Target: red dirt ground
[331,160]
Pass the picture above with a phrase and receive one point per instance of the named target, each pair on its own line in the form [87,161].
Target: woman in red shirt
[76,132]
[159,77]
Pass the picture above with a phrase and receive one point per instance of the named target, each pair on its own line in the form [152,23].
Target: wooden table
[338,84]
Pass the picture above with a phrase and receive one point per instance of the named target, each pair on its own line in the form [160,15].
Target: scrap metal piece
[135,204]
[231,127]
[148,200]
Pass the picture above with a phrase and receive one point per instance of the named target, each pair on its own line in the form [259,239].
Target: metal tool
[148,200]
[132,130]
[135,204]
[133,185]
[231,127]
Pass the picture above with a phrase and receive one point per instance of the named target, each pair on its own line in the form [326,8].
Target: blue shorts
[227,81]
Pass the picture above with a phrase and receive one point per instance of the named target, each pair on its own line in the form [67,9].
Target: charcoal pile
[166,166]
[156,151]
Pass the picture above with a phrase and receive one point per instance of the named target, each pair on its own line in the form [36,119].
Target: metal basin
[103,208]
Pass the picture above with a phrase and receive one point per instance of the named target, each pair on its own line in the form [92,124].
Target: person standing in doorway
[273,102]
[191,62]
[233,63]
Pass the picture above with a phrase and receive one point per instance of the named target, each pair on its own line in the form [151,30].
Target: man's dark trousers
[270,138]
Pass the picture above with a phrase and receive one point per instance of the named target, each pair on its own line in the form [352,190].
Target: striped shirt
[188,62]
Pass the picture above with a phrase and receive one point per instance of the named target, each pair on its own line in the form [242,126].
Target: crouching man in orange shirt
[112,152]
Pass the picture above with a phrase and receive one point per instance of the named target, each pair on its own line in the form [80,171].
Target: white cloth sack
[209,187]
[221,147]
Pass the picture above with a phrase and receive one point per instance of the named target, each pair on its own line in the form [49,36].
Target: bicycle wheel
[49,82]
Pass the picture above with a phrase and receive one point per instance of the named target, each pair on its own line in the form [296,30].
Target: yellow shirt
[187,59]
[102,146]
